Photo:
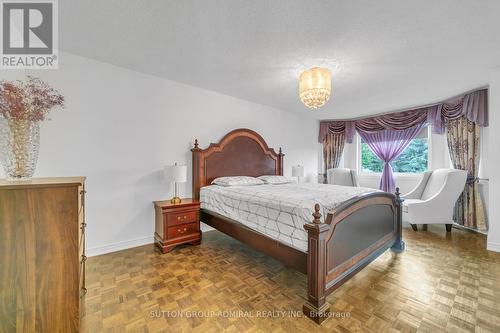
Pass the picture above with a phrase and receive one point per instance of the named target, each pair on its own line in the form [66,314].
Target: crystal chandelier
[315,86]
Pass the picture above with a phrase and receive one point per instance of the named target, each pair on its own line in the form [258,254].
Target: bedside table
[177,224]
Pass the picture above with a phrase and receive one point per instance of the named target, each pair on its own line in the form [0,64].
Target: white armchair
[434,198]
[339,176]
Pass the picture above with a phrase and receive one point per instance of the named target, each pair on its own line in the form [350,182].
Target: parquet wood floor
[441,283]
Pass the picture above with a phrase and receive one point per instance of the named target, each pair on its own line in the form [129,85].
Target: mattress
[277,211]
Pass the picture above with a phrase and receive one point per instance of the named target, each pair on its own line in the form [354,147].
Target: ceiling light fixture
[315,86]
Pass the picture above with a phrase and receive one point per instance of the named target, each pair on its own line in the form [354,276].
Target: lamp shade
[315,86]
[175,173]
[298,171]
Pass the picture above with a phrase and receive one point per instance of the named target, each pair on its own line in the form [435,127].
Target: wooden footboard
[353,235]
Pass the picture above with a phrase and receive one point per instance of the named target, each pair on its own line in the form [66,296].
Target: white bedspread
[277,211]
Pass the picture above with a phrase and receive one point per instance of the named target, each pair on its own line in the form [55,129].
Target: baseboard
[128,244]
[493,247]
[118,246]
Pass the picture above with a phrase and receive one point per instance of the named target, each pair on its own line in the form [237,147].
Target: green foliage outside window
[413,160]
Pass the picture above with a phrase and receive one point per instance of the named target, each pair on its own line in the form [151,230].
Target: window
[414,159]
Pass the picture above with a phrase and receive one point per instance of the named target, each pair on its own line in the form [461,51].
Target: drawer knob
[181,218]
[181,231]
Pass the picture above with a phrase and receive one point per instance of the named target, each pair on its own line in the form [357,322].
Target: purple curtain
[332,127]
[443,112]
[473,106]
[395,121]
[388,145]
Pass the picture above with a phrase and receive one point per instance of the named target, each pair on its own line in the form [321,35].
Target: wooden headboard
[241,152]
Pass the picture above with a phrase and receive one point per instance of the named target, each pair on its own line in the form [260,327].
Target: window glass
[414,159]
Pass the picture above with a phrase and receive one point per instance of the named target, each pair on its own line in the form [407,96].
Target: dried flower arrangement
[23,104]
[30,100]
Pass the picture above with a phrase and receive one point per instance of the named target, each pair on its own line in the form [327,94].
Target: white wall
[121,127]
[494,161]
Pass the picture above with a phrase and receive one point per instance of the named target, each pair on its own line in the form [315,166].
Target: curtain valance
[473,106]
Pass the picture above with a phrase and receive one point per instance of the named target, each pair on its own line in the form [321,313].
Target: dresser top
[41,182]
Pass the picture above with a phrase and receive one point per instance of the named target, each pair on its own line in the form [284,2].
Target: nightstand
[177,224]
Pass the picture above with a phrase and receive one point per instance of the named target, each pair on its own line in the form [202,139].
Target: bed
[360,224]
[277,211]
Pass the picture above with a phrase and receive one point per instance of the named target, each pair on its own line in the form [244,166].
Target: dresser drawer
[182,218]
[182,230]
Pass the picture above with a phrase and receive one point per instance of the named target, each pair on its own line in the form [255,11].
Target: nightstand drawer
[182,218]
[182,230]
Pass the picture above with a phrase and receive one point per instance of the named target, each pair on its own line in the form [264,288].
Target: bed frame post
[316,307]
[399,245]
[280,162]
[196,172]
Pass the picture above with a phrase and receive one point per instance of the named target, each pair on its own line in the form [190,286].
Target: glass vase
[19,146]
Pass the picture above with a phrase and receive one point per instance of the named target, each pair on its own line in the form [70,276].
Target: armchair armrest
[416,193]
[329,176]
[355,179]
[434,209]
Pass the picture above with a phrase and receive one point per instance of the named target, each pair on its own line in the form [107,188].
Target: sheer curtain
[388,145]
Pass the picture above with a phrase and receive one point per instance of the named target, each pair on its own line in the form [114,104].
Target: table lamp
[175,174]
[298,171]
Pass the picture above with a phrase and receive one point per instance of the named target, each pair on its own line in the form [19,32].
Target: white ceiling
[385,54]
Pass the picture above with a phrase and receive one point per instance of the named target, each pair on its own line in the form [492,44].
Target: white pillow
[237,181]
[275,180]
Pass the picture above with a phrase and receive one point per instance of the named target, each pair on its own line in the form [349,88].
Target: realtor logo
[28,34]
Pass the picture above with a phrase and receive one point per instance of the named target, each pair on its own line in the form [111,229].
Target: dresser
[177,224]
[42,254]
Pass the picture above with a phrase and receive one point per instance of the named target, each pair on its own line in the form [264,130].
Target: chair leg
[448,227]
[414,227]
[424,227]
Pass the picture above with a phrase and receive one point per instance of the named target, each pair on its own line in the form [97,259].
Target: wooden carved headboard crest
[241,152]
